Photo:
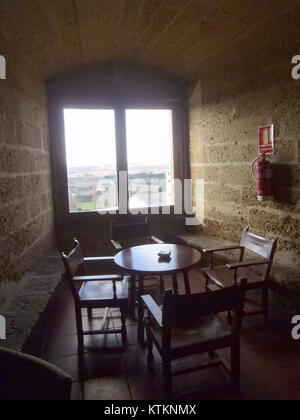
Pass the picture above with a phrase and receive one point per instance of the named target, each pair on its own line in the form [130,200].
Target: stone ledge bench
[285,281]
[34,292]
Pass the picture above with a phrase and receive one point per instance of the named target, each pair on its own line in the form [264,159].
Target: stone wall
[226,109]
[26,220]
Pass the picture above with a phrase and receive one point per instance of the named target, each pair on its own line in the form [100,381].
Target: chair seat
[224,277]
[103,291]
[190,337]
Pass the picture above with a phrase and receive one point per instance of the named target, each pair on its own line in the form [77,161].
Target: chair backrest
[73,262]
[182,309]
[130,230]
[25,377]
[259,245]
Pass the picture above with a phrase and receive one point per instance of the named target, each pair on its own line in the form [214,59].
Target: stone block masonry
[26,213]
[226,109]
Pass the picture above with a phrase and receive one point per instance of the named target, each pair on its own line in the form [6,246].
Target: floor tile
[132,338]
[223,393]
[248,365]
[135,357]
[144,384]
[76,394]
[109,388]
[202,379]
[91,365]
[60,347]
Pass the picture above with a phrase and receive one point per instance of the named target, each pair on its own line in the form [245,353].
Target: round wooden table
[144,260]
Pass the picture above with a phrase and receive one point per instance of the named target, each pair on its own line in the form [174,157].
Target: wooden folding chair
[127,235]
[186,325]
[223,276]
[97,291]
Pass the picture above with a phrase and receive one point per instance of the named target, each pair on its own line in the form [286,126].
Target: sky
[90,137]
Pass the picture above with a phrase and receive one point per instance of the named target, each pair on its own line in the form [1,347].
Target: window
[150,157]
[95,152]
[91,159]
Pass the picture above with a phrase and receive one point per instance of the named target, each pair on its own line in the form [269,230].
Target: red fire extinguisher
[263,173]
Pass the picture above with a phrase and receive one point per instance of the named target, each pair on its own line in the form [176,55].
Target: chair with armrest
[128,235]
[227,275]
[24,377]
[96,291]
[187,325]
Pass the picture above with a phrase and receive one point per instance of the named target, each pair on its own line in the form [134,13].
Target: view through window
[91,159]
[150,157]
[92,167]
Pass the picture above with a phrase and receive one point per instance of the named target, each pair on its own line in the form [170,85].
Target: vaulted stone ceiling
[182,37]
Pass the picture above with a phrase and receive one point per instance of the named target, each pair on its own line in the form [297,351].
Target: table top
[145,259]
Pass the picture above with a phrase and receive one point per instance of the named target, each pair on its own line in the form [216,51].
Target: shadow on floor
[108,371]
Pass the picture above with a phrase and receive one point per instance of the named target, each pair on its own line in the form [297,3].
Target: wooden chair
[97,291]
[186,325]
[128,235]
[227,275]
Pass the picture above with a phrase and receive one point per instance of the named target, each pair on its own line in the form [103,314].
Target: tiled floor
[108,371]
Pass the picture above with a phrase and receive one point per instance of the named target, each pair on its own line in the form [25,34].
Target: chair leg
[229,318]
[124,329]
[132,296]
[141,312]
[150,347]
[79,326]
[265,302]
[90,313]
[235,366]
[167,377]
[161,284]
[206,283]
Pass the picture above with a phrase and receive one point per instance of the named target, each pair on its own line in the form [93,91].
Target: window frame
[121,151]
[119,88]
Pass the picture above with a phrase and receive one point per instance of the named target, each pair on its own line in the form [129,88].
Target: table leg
[187,283]
[140,311]
[132,296]
[161,284]
[175,283]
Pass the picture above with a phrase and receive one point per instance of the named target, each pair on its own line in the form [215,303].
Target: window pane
[91,159]
[150,157]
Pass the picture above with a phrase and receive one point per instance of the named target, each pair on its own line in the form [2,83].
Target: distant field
[85,207]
